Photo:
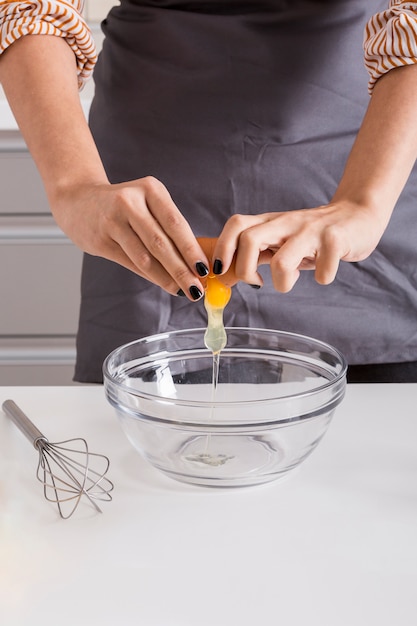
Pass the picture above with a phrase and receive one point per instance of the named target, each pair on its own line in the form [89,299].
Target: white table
[333,545]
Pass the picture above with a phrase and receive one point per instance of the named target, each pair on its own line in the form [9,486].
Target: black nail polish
[202,269]
[180,293]
[196,294]
[217,267]
[255,286]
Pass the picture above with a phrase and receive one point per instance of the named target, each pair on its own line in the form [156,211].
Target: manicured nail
[217,267]
[180,293]
[196,294]
[255,286]
[202,269]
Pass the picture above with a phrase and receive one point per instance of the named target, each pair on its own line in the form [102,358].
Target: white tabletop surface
[334,544]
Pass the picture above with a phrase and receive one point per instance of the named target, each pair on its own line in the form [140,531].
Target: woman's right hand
[137,225]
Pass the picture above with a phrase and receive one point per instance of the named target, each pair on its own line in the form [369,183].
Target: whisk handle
[22,421]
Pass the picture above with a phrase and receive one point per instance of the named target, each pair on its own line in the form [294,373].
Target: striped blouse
[390,38]
[62,18]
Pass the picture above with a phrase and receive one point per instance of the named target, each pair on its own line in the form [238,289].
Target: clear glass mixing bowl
[275,397]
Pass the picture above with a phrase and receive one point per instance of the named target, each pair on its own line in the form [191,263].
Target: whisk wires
[67,469]
[65,479]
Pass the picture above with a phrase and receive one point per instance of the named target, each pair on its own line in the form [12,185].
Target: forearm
[385,149]
[39,77]
[135,224]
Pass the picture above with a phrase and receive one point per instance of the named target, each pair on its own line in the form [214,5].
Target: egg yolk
[217,294]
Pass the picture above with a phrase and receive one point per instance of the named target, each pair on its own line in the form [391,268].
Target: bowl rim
[109,380]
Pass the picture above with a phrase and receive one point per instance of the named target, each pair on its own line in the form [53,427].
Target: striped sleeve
[62,18]
[391,39]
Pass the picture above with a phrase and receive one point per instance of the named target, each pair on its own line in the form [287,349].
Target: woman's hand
[307,239]
[137,225]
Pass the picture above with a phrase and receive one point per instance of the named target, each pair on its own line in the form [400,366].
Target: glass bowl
[276,393]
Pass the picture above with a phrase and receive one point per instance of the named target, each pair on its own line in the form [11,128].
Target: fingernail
[180,293]
[255,286]
[217,267]
[202,269]
[196,294]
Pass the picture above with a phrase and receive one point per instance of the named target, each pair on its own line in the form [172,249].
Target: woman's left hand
[306,239]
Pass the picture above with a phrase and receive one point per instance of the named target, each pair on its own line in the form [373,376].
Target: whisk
[65,472]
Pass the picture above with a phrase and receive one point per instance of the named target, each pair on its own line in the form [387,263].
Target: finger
[229,277]
[283,278]
[160,257]
[155,254]
[207,245]
[286,263]
[132,254]
[328,257]
[247,261]
[250,248]
[327,266]
[230,239]
[176,227]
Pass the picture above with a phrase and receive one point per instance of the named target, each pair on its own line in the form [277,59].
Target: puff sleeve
[390,39]
[62,18]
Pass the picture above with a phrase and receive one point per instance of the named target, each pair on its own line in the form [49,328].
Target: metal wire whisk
[65,472]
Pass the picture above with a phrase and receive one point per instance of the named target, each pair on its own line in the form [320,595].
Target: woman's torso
[243,107]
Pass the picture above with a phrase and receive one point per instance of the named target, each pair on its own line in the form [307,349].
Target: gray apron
[244,107]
